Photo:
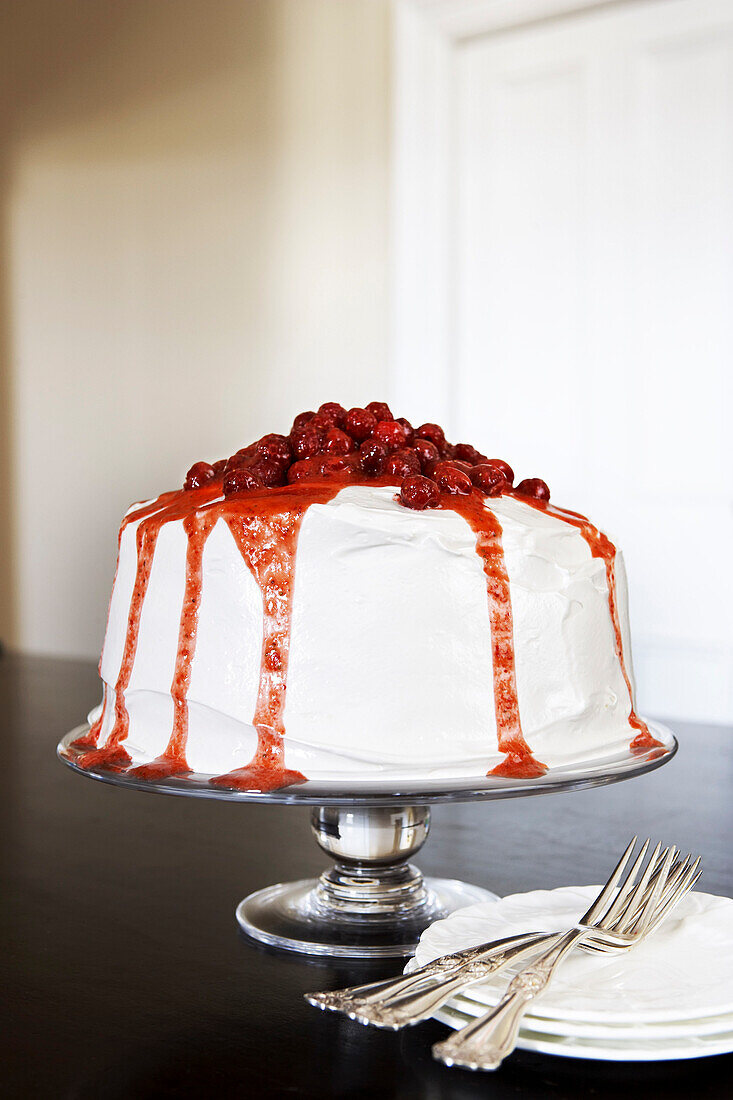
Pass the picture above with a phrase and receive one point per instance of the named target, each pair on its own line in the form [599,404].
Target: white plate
[682,972]
[643,1050]
[672,1029]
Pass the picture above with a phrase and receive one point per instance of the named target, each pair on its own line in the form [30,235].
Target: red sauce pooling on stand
[323,453]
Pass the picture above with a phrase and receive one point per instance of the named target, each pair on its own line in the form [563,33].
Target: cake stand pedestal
[372,902]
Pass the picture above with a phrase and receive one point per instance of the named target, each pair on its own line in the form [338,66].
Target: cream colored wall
[196,222]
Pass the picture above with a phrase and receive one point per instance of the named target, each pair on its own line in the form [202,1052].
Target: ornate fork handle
[385,993]
[419,1004]
[485,1043]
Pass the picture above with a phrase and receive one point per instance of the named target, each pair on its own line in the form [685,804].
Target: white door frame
[427,36]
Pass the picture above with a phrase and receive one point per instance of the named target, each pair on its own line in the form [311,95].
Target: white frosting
[390,671]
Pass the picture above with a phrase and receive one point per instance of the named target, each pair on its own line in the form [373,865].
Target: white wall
[196,250]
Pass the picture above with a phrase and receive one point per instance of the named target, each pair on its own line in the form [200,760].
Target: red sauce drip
[267,535]
[519,763]
[173,761]
[113,754]
[602,547]
[90,739]
[164,503]
[152,516]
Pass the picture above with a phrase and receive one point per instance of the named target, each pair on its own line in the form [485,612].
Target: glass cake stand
[372,903]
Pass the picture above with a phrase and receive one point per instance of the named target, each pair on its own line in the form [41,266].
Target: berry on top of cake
[358,445]
[361,599]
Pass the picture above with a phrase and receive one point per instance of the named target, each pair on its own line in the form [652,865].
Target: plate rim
[575,1048]
[571,1015]
[620,1032]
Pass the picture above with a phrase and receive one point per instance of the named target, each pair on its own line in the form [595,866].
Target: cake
[361,600]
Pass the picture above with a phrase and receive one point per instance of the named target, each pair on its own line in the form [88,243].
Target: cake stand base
[372,903]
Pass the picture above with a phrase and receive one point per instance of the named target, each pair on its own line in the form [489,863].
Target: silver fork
[491,955]
[401,1002]
[624,916]
[419,1003]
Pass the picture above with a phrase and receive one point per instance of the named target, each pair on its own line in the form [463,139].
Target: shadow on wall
[77,80]
[194,212]
[8,602]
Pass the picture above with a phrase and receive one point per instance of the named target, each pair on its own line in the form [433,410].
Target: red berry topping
[428,454]
[408,430]
[364,443]
[308,442]
[534,487]
[419,492]
[301,420]
[242,480]
[360,423]
[321,466]
[336,464]
[335,412]
[276,447]
[199,475]
[240,458]
[234,462]
[489,479]
[505,468]
[401,464]
[433,432]
[270,470]
[323,422]
[339,443]
[380,410]
[451,479]
[372,454]
[390,433]
[303,470]
[466,453]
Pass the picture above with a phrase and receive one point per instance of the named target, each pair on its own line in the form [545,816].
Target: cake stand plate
[372,903]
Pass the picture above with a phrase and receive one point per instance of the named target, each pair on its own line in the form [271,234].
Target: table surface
[123,972]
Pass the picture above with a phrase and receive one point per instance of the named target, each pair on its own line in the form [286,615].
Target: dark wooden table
[123,974]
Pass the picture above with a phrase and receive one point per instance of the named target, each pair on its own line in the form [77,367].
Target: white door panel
[591,302]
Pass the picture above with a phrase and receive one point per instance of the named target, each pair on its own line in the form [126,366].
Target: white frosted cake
[350,603]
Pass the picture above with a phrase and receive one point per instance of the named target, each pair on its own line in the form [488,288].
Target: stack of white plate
[670,996]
